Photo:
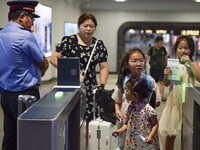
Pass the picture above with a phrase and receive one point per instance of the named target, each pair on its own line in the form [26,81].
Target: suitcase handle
[94,103]
[94,91]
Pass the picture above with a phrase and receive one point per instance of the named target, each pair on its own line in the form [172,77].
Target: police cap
[28,6]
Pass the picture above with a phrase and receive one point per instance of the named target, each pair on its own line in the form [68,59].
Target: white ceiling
[138,5]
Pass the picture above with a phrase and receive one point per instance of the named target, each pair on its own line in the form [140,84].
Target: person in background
[22,65]
[132,65]
[158,62]
[140,119]
[171,118]
[80,45]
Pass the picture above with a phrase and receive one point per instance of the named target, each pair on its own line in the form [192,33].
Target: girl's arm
[166,73]
[157,90]
[154,122]
[117,97]
[195,69]
[193,65]
[120,131]
[117,110]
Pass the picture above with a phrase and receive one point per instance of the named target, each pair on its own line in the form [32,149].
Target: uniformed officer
[22,65]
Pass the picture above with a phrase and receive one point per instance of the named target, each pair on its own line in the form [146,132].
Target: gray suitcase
[24,102]
[100,135]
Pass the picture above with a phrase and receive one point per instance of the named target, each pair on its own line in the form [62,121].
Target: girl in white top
[132,65]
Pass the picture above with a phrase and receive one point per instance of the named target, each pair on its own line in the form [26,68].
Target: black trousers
[9,104]
[157,74]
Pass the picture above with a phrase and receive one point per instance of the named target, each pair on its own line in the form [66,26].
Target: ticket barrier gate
[52,123]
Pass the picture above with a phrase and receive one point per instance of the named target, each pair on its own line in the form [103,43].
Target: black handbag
[107,105]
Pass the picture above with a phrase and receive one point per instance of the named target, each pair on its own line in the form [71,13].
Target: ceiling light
[197,0]
[131,31]
[120,0]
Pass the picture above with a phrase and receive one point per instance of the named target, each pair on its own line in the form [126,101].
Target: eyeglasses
[135,61]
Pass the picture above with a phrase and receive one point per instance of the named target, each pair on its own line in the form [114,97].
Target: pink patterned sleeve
[150,111]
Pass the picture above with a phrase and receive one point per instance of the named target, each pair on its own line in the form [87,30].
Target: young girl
[132,66]
[171,119]
[139,120]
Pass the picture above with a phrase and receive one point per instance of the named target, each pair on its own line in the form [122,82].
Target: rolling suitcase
[100,133]
[24,102]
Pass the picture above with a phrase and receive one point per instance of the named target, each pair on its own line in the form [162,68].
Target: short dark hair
[159,38]
[139,86]
[14,15]
[86,16]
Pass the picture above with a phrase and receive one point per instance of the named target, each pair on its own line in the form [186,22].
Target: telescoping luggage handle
[94,104]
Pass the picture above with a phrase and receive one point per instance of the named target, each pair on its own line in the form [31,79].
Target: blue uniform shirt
[19,54]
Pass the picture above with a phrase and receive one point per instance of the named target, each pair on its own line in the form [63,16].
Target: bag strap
[90,59]
[148,79]
[149,84]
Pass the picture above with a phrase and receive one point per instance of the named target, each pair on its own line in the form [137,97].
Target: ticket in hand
[142,138]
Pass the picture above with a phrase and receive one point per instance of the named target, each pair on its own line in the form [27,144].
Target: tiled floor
[48,85]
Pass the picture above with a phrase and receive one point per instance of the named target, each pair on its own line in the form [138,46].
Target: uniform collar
[11,23]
